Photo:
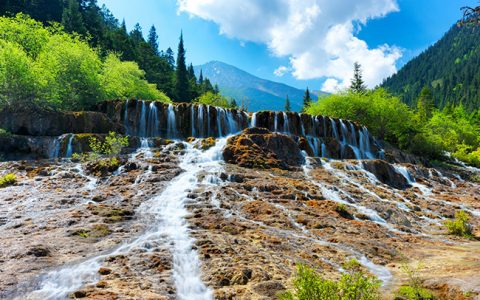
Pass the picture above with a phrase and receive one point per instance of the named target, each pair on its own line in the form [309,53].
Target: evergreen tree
[153,39]
[137,34]
[307,99]
[72,19]
[357,84]
[182,84]
[425,104]
[200,78]
[170,57]
[216,89]
[287,105]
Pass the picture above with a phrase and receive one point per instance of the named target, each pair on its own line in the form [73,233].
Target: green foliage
[460,225]
[353,285]
[425,104]
[4,133]
[449,68]
[7,180]
[218,100]
[46,67]
[125,80]
[427,132]
[112,145]
[414,289]
[287,105]
[17,79]
[307,99]
[384,115]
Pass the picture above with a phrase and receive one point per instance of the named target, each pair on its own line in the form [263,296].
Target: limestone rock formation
[260,148]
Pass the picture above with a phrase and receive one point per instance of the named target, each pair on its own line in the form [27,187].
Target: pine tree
[72,19]
[153,39]
[182,84]
[357,84]
[216,89]
[170,57]
[137,34]
[287,105]
[306,99]
[425,104]
[200,78]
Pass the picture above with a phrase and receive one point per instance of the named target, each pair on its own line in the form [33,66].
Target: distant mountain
[450,68]
[260,94]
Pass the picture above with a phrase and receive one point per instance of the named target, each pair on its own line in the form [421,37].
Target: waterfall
[192,119]
[168,227]
[70,146]
[142,128]
[344,130]
[219,121]
[201,128]
[324,128]
[324,151]
[232,124]
[152,121]
[171,122]
[125,119]
[286,127]
[275,121]
[55,152]
[353,140]
[254,120]
[208,120]
[334,129]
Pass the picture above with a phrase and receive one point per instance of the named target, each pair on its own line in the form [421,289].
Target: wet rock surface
[250,225]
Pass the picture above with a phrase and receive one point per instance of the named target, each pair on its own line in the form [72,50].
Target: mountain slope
[260,94]
[449,67]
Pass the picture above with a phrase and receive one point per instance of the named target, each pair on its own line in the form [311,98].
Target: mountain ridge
[261,94]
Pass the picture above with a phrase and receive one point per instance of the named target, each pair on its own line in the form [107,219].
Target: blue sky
[312,51]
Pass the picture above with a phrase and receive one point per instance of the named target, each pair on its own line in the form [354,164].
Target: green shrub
[354,284]
[213,99]
[112,145]
[414,290]
[4,133]
[7,180]
[460,225]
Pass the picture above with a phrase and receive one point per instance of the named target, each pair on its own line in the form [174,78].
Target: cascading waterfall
[220,111]
[275,122]
[208,120]
[168,226]
[286,128]
[254,120]
[171,122]
[192,119]
[153,124]
[69,152]
[142,129]
[125,119]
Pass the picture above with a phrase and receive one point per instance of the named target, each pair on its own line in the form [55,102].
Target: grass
[460,225]
[8,180]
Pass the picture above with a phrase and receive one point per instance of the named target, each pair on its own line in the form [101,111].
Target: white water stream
[168,214]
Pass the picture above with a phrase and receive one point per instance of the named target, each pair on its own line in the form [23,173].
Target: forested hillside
[105,33]
[449,68]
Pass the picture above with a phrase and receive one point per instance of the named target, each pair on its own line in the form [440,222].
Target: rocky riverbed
[176,222]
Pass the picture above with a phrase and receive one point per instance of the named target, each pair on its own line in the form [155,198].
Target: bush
[7,180]
[414,289]
[213,99]
[4,133]
[354,284]
[110,147]
[45,67]
[125,80]
[460,225]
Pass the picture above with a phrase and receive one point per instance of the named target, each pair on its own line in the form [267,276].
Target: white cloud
[280,71]
[319,36]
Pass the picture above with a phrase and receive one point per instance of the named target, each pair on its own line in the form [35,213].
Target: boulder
[386,173]
[260,148]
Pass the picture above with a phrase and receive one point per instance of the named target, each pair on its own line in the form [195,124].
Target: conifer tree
[137,34]
[425,104]
[200,78]
[287,105]
[153,39]
[72,19]
[357,84]
[182,84]
[306,99]
[170,57]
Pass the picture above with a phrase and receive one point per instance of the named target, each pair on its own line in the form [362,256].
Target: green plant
[4,133]
[215,99]
[354,284]
[7,180]
[460,225]
[112,145]
[414,290]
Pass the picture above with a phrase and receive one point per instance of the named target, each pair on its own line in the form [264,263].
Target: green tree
[357,84]
[72,19]
[307,99]
[214,99]
[182,84]
[153,39]
[425,104]
[287,105]
[17,81]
